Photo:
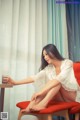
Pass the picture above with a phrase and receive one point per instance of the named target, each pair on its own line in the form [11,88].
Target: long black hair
[53,52]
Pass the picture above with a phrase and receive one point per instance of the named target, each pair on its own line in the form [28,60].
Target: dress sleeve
[39,80]
[39,76]
[65,72]
[67,78]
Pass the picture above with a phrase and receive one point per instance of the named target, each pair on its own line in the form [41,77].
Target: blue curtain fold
[73,29]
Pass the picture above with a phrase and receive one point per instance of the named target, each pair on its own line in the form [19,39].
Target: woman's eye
[45,55]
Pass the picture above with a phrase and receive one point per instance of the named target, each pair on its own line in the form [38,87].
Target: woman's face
[47,57]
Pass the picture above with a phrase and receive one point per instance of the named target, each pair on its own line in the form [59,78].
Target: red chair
[54,108]
[76,109]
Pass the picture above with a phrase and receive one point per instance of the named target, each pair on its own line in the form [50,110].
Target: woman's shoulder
[49,66]
[67,62]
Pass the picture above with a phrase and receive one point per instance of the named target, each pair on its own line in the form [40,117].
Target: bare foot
[25,110]
[38,107]
[29,107]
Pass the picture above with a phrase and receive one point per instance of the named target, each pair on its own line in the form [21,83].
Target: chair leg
[77,116]
[49,117]
[20,115]
[39,117]
[44,117]
[67,115]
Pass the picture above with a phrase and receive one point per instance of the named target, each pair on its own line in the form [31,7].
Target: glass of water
[4,79]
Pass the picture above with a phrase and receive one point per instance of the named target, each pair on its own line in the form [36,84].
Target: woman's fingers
[34,97]
[5,79]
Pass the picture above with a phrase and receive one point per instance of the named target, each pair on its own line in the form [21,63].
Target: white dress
[66,77]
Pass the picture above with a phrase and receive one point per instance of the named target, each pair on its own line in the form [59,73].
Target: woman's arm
[49,85]
[31,79]
[9,80]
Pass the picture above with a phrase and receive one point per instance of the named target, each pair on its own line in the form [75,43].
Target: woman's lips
[47,60]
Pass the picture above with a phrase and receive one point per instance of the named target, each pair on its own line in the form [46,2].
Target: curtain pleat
[73,25]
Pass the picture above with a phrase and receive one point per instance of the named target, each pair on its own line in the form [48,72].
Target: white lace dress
[66,77]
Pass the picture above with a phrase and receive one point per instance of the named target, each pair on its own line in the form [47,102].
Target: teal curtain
[73,25]
[57,29]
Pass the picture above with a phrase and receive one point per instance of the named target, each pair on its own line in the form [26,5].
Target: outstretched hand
[8,80]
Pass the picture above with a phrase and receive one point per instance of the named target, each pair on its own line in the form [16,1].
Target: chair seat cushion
[23,104]
[51,108]
[75,109]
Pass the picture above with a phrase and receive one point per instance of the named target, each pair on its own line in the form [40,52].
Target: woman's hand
[36,95]
[7,79]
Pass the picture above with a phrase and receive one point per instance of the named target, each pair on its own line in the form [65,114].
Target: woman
[60,82]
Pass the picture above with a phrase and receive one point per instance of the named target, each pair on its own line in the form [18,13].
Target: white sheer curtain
[23,33]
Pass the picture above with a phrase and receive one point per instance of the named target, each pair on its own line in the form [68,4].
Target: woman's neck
[57,63]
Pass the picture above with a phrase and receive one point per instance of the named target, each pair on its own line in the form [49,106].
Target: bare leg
[50,95]
[68,95]
[59,97]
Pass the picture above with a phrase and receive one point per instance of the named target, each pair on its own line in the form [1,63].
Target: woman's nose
[45,56]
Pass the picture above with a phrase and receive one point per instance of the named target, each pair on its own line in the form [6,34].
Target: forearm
[49,85]
[24,81]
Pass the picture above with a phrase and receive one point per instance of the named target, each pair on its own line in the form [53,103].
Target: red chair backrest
[76,67]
